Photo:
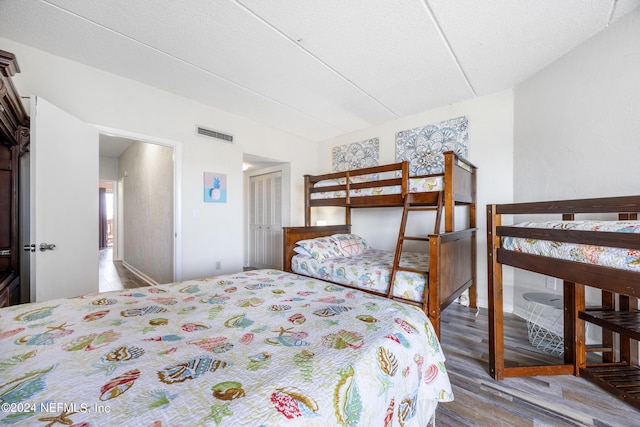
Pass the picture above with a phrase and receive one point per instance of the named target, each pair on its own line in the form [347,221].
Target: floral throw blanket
[626,259]
[261,348]
[370,270]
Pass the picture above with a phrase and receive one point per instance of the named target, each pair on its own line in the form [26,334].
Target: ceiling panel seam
[612,11]
[189,64]
[320,61]
[449,48]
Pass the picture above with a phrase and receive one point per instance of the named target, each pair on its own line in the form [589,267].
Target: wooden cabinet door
[8,257]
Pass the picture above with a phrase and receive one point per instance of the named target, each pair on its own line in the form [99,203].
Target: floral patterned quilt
[416,185]
[260,348]
[370,270]
[626,259]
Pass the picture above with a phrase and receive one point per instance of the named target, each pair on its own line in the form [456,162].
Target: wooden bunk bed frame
[459,189]
[452,262]
[616,369]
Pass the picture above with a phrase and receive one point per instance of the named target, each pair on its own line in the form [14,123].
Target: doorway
[267,206]
[139,243]
[265,220]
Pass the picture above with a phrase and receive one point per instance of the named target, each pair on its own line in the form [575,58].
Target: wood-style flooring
[528,401]
[113,276]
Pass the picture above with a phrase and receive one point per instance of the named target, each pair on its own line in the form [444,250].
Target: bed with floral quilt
[358,265]
[259,348]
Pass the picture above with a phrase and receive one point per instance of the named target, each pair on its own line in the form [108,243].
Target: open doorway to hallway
[113,275]
[136,215]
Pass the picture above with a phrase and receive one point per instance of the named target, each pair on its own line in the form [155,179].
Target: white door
[265,221]
[64,204]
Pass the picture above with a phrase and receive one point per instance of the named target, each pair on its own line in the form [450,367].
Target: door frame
[177,185]
[285,169]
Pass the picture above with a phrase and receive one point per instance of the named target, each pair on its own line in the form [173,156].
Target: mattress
[416,185]
[261,348]
[370,270]
[626,259]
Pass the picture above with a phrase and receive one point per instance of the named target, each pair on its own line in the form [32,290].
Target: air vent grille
[214,134]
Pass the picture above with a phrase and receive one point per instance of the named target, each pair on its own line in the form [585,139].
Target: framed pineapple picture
[215,187]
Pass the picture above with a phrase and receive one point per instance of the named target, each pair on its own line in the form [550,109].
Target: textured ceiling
[316,69]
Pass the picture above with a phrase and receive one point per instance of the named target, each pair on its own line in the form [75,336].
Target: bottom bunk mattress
[370,270]
[260,348]
[625,259]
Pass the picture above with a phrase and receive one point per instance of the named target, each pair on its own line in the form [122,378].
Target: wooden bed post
[307,202]
[473,289]
[449,212]
[496,315]
[574,340]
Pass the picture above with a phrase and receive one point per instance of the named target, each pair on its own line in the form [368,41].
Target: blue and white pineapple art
[215,191]
[215,187]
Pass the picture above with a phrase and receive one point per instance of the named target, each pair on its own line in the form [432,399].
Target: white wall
[577,126]
[147,220]
[490,149]
[108,169]
[111,101]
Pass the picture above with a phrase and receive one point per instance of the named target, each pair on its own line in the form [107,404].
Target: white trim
[177,175]
[140,274]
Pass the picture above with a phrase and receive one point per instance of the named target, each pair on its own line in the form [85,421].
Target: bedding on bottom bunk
[370,270]
[626,259]
[262,347]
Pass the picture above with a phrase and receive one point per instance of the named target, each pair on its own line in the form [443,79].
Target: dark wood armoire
[14,141]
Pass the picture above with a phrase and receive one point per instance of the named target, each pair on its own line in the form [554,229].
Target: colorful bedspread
[416,185]
[626,259]
[370,270]
[261,348]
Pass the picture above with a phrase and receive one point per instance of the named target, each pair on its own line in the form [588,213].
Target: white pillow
[329,182]
[350,244]
[321,247]
[302,251]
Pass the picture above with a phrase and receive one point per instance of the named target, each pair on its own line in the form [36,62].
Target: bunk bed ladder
[409,207]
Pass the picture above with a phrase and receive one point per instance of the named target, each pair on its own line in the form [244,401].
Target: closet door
[265,221]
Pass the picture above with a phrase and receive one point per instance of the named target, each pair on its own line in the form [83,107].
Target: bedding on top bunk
[347,259]
[263,347]
[416,185]
[626,259]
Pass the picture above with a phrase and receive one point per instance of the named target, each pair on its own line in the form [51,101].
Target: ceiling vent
[210,133]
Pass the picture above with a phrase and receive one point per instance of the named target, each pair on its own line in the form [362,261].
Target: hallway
[113,276]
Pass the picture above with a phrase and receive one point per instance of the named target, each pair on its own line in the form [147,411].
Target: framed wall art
[215,187]
[424,146]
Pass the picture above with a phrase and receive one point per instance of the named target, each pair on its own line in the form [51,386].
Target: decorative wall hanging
[424,146]
[356,155]
[215,187]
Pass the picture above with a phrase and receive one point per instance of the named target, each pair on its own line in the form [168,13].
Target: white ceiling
[314,68]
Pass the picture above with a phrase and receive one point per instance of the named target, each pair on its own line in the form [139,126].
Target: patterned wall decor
[356,155]
[423,146]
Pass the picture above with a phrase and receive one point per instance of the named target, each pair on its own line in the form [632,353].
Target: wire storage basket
[545,325]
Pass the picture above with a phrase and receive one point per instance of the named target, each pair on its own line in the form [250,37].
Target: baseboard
[140,274]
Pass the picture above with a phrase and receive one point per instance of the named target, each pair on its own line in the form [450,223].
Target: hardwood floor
[529,401]
[113,276]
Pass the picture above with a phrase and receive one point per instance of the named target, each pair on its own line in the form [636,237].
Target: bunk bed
[585,252]
[261,347]
[449,262]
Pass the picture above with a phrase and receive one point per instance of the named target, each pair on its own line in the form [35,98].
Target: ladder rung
[423,239]
[413,270]
[421,209]
[596,348]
